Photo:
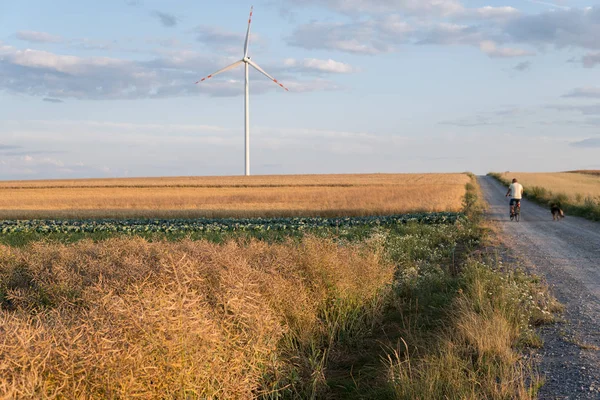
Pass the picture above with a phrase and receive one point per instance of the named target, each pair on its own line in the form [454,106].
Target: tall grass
[477,354]
[473,357]
[461,336]
[577,193]
[126,318]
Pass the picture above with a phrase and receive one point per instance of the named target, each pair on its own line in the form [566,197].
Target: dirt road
[567,255]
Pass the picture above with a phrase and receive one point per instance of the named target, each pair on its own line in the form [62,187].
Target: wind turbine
[247,63]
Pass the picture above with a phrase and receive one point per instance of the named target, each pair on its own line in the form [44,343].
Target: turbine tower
[247,63]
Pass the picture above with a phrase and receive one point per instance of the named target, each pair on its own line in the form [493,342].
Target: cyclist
[515,191]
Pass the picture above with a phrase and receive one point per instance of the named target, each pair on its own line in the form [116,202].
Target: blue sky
[106,89]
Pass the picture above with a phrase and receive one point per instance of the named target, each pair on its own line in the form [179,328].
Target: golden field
[188,197]
[576,186]
[126,318]
[587,171]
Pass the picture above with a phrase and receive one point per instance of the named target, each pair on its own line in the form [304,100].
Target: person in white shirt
[515,191]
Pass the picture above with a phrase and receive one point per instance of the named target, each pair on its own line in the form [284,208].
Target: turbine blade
[235,64]
[262,71]
[248,34]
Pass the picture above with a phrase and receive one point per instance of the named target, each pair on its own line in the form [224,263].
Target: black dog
[557,212]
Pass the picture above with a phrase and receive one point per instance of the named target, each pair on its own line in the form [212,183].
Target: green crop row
[218,225]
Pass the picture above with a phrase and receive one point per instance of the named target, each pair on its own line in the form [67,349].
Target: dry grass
[302,195]
[477,355]
[575,186]
[125,318]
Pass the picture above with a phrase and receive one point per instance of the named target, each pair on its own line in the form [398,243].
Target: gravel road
[567,254]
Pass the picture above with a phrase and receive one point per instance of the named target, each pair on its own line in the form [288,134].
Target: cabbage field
[136,226]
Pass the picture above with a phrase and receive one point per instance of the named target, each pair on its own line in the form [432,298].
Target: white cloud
[38,37]
[328,66]
[548,4]
[413,8]
[491,49]
[358,38]
[225,41]
[79,43]
[218,36]
[31,166]
[588,109]
[50,75]
[66,64]
[389,33]
[315,85]
[387,26]
[5,49]
[445,33]
[558,28]
[585,92]
[322,66]
[121,126]
[416,7]
[395,25]
[489,12]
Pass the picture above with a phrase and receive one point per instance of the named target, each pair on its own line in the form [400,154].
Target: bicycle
[515,211]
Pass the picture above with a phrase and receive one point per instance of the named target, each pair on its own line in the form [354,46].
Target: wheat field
[257,196]
[577,186]
[587,171]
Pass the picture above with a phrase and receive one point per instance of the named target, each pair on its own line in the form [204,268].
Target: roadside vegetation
[578,192]
[461,325]
[385,311]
